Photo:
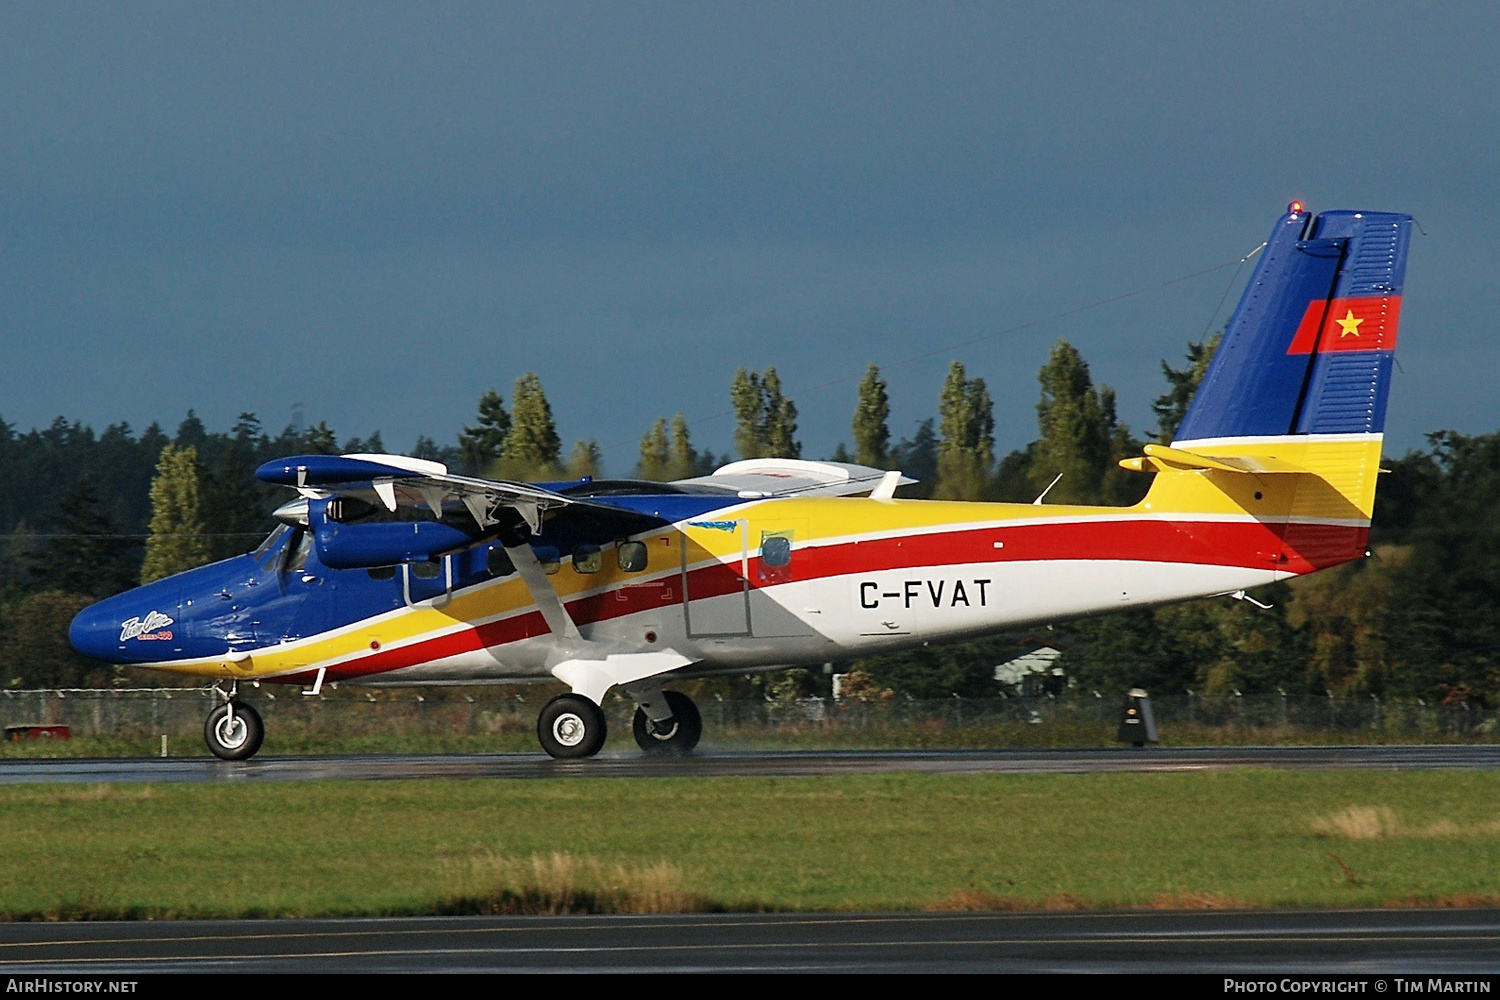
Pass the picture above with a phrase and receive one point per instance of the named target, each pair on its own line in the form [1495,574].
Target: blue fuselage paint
[284,592]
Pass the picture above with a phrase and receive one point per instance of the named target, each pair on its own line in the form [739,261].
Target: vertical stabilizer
[1287,424]
[1309,349]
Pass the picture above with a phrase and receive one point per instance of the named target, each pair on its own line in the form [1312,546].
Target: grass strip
[1241,838]
[911,736]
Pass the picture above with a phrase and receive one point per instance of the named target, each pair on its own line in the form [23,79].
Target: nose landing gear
[233,731]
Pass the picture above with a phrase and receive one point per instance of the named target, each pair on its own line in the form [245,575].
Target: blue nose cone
[133,627]
[95,633]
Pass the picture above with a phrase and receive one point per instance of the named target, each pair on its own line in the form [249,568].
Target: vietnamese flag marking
[1362,324]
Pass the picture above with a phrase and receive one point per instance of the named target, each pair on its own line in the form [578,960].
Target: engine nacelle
[378,543]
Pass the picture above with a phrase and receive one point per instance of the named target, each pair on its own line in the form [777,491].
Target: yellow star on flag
[1350,325]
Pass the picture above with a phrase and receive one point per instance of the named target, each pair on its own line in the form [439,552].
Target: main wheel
[234,738]
[570,727]
[679,734]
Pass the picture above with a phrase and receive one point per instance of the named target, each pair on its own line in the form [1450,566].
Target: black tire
[234,741]
[678,735]
[571,727]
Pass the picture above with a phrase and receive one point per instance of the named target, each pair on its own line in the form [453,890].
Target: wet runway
[374,767]
[1365,944]
[1261,945]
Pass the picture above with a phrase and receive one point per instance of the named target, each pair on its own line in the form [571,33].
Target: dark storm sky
[382,210]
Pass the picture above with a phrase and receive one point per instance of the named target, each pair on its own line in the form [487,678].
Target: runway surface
[1262,944]
[753,764]
[1267,943]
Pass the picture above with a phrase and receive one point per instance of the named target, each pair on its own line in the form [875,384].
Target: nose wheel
[233,731]
[677,735]
[571,727]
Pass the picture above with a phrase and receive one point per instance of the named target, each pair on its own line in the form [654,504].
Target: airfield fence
[179,712]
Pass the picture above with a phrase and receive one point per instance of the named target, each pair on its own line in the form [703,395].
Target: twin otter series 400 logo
[151,627]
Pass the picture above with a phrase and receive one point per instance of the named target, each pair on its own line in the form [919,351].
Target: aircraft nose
[129,627]
[95,633]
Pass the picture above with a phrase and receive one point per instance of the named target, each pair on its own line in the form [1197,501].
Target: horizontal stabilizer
[1159,457]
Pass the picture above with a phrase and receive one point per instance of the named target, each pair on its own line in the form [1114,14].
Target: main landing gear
[676,735]
[233,731]
[572,727]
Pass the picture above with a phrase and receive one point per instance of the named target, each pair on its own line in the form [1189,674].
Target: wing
[395,481]
[591,668]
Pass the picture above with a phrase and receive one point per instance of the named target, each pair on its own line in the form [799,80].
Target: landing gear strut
[233,731]
[677,735]
[571,727]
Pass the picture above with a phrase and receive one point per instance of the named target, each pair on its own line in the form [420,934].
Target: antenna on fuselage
[1041,496]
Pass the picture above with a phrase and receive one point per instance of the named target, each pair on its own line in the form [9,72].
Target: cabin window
[775,556]
[427,569]
[382,572]
[550,559]
[631,556]
[587,559]
[497,561]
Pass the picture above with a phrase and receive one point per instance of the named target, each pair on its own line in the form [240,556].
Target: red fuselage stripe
[1301,548]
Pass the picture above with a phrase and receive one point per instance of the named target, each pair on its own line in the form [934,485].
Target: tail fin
[1287,423]
[1309,349]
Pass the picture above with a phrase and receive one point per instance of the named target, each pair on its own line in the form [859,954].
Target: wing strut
[529,568]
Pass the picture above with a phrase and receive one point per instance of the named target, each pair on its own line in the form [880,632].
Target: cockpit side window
[298,547]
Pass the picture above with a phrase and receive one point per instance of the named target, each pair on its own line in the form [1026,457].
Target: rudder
[1309,349]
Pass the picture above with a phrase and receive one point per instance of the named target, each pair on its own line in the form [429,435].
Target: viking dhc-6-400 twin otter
[389,570]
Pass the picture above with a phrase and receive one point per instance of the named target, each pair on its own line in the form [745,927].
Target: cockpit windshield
[270,545]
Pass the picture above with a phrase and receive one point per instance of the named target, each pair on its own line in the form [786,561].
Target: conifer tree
[1172,405]
[235,507]
[177,541]
[1081,436]
[872,436]
[426,448]
[319,439]
[34,647]
[655,455]
[766,421]
[1075,430]
[86,550]
[683,461]
[966,450]
[749,414]
[532,447]
[781,419]
[585,459]
[917,458]
[484,443]
[191,433]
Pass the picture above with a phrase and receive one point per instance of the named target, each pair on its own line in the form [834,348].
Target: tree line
[88,514]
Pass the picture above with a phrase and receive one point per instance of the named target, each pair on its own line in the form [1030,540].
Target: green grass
[1244,838]
[290,740]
